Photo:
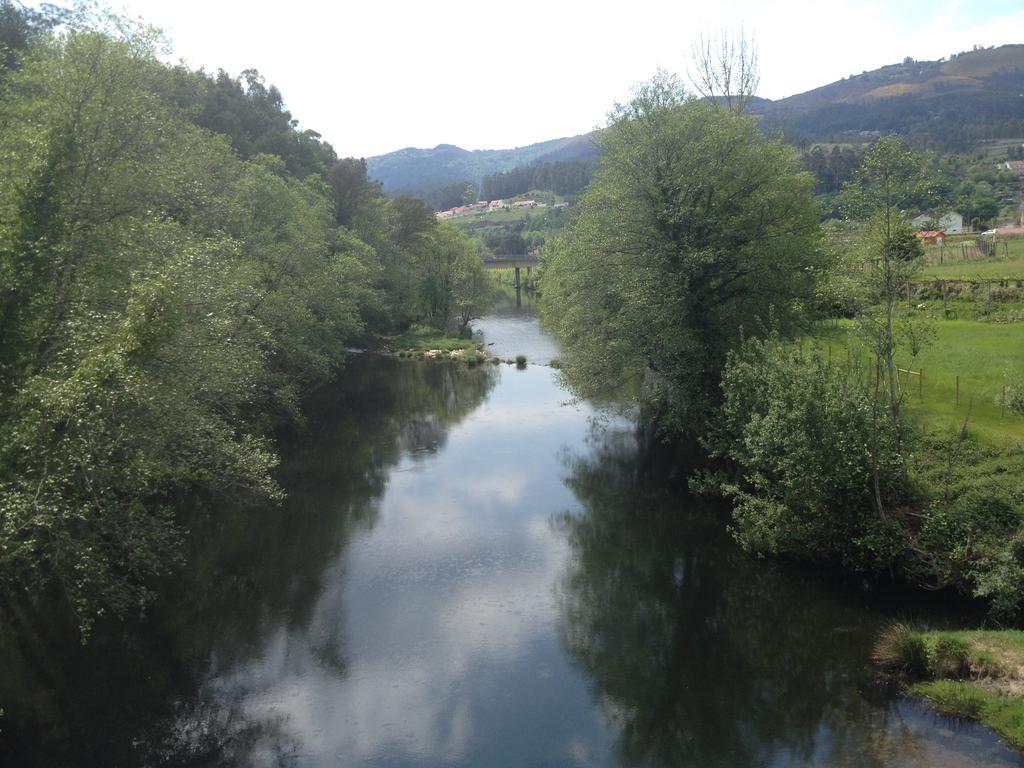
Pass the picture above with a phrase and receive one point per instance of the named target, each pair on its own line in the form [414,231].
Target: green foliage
[902,649]
[948,657]
[452,283]
[954,698]
[973,524]
[1002,713]
[807,442]
[562,178]
[695,227]
[253,117]
[422,338]
[167,298]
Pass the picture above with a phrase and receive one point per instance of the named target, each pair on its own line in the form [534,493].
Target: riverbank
[976,674]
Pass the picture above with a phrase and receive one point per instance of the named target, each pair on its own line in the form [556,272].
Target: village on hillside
[934,227]
[488,206]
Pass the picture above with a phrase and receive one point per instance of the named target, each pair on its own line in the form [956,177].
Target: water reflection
[425,600]
[703,657]
[512,329]
[260,583]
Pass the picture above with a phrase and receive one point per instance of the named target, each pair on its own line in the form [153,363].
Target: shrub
[520,361]
[808,442]
[948,657]
[900,648]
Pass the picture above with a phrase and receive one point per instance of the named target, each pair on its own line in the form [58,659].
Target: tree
[890,180]
[452,283]
[695,230]
[725,69]
[160,301]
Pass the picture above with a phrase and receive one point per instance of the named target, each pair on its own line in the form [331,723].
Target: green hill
[974,96]
[414,170]
[946,104]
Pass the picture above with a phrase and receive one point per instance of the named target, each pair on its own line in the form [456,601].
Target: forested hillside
[420,170]
[179,267]
[946,104]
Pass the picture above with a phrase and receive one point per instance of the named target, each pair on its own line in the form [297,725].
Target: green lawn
[421,338]
[984,356]
[948,265]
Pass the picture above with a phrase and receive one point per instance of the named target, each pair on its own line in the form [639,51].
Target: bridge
[518,262]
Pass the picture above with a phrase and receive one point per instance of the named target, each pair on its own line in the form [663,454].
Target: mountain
[413,170]
[948,104]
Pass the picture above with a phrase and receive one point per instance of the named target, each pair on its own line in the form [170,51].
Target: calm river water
[471,570]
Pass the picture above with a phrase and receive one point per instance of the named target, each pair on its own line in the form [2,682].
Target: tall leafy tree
[696,229]
[158,296]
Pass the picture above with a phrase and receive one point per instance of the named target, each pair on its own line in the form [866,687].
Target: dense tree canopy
[179,266]
[563,178]
[695,230]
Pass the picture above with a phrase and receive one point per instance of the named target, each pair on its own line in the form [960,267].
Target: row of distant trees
[563,178]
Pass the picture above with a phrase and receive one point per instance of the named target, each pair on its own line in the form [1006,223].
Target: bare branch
[724,68]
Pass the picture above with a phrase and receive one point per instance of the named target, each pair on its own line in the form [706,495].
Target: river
[471,569]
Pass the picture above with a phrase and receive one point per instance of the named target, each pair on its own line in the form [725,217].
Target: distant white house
[951,223]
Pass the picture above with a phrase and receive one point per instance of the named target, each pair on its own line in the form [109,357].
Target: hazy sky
[378,75]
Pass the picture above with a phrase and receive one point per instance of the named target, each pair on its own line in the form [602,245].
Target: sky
[380,75]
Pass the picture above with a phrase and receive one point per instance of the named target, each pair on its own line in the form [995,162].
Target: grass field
[948,265]
[421,338]
[984,356]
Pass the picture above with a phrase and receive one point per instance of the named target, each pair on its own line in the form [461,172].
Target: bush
[808,442]
[899,648]
[972,528]
[520,361]
[948,657]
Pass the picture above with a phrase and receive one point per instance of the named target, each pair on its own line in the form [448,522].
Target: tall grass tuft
[902,649]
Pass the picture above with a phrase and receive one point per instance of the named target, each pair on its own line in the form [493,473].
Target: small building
[496,205]
[525,204]
[931,236]
[951,223]
[1015,166]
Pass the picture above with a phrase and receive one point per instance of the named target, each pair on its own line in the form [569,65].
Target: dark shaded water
[470,571]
